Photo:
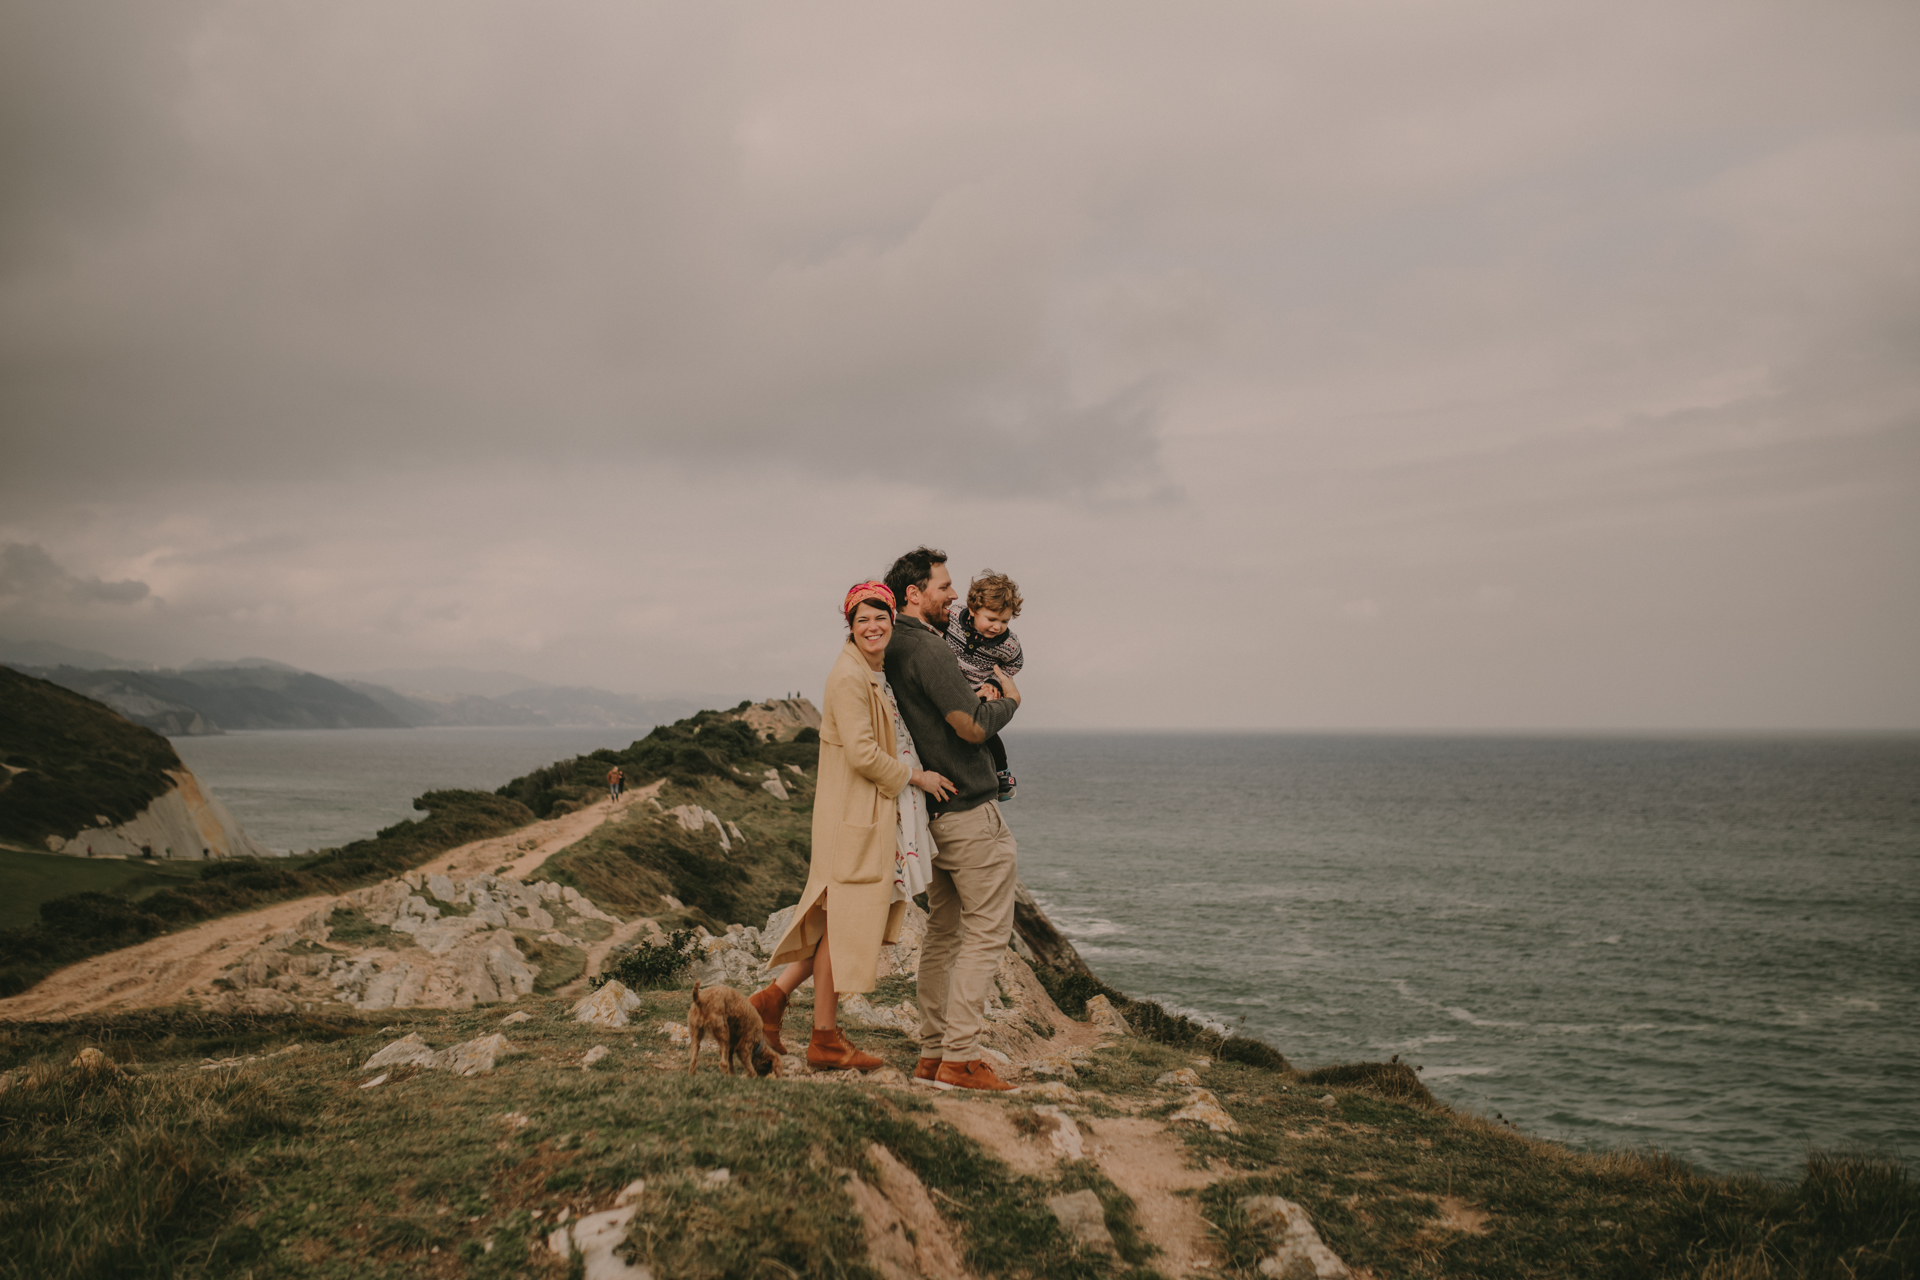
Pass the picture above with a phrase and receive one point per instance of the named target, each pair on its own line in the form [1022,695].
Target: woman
[857,882]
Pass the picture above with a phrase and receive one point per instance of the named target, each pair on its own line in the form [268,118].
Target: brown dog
[724,1014]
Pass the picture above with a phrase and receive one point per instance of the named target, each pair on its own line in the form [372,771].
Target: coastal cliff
[81,779]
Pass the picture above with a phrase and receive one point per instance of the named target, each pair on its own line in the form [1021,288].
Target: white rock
[1185,1075]
[631,1192]
[718,1177]
[409,1050]
[1329,1101]
[473,1057]
[1062,1133]
[1203,1108]
[379,1079]
[861,1012]
[677,1033]
[518,1015]
[995,1054]
[596,1236]
[1300,1253]
[607,1007]
[1053,1064]
[1084,1218]
[594,1055]
[1102,1014]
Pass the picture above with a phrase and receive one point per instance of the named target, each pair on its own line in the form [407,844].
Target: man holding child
[970,899]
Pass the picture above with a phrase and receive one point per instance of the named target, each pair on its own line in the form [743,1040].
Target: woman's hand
[1007,687]
[933,784]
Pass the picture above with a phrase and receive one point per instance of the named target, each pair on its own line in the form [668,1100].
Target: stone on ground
[1203,1108]
[1062,1133]
[906,1237]
[1102,1014]
[518,1015]
[594,1055]
[607,1007]
[1185,1075]
[472,1057]
[1299,1253]
[409,1050]
[1082,1217]
[596,1236]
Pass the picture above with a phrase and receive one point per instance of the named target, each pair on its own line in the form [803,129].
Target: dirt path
[1142,1158]
[166,969]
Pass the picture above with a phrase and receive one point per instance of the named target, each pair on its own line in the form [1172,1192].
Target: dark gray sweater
[927,684]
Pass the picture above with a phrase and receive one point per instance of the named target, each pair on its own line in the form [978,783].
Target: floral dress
[913,849]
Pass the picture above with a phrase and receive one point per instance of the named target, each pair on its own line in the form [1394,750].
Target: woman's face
[872,628]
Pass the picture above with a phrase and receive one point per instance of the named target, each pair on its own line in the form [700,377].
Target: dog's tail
[696,988]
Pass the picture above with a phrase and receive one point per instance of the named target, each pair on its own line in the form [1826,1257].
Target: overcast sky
[1347,365]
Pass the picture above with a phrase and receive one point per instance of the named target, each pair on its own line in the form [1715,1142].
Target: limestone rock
[1063,1135]
[861,1012]
[1203,1108]
[594,1055]
[1299,1253]
[1053,1089]
[473,1057]
[906,1237]
[776,928]
[1102,1014]
[1185,1075]
[1053,1064]
[518,1015]
[408,1050]
[607,1007]
[91,1059]
[1083,1217]
[597,1236]
[677,1033]
[729,965]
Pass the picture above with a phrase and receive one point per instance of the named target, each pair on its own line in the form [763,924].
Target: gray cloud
[1496,364]
[30,579]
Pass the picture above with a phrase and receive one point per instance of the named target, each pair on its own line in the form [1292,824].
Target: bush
[652,964]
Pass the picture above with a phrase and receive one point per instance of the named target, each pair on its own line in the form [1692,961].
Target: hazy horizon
[1496,367]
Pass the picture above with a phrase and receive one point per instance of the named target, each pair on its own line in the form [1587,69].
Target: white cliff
[186,822]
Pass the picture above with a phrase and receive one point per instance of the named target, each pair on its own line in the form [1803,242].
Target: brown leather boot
[772,1006]
[925,1070]
[832,1051]
[970,1075]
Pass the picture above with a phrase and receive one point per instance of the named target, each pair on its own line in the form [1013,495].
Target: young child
[980,640]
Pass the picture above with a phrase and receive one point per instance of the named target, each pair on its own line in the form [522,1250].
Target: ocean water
[1711,947]
[1708,947]
[300,789]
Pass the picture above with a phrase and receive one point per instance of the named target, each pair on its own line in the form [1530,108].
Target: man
[616,780]
[970,899]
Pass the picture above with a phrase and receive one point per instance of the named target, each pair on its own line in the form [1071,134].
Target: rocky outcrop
[415,942]
[185,822]
[779,719]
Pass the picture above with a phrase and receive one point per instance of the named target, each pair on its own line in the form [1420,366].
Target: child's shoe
[1009,785]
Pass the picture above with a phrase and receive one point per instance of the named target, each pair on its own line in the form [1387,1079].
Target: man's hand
[1007,686]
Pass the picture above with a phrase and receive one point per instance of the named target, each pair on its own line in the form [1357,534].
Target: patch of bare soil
[1457,1215]
[165,970]
[1140,1156]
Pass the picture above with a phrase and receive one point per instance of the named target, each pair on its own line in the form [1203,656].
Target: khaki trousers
[969,919]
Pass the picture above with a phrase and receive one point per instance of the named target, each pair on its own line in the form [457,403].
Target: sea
[1705,946]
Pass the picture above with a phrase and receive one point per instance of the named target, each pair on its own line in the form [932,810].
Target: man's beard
[935,619]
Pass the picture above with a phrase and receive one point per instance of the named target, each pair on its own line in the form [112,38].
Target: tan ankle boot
[771,1004]
[832,1051]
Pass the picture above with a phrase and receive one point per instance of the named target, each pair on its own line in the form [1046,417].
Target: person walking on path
[616,780]
[971,890]
[851,903]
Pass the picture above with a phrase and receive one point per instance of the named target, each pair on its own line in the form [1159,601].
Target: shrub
[652,964]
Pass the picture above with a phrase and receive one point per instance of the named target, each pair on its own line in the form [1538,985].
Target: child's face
[991,622]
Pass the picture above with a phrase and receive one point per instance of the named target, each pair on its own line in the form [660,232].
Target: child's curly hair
[994,591]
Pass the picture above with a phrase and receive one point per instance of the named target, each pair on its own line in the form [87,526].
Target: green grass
[284,1167]
[71,761]
[28,879]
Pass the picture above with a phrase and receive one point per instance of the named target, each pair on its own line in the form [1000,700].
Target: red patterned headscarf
[877,592]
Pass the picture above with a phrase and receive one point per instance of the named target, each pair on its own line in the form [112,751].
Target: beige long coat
[854,820]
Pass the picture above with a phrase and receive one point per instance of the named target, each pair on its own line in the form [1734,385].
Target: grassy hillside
[33,878]
[284,1167]
[90,923]
[70,762]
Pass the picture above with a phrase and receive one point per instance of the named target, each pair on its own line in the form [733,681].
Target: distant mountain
[229,664]
[45,653]
[597,707]
[422,711]
[228,698]
[443,682]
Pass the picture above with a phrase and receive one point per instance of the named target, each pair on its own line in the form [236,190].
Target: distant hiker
[970,896]
[616,779]
[979,638]
[870,839]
